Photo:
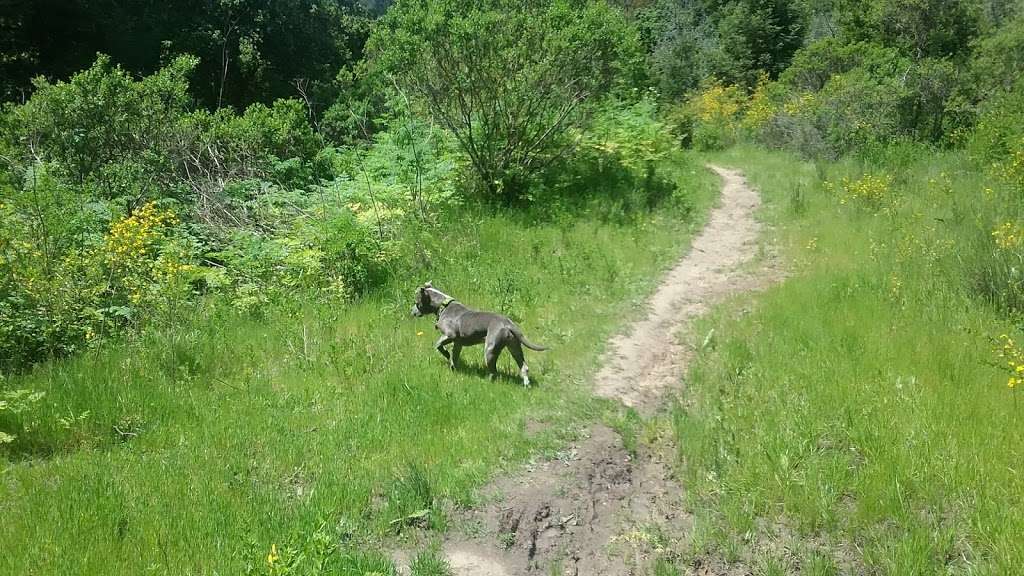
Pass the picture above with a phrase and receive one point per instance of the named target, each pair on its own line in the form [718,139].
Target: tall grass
[300,440]
[857,420]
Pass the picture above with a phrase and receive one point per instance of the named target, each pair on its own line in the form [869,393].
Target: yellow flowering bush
[1011,170]
[760,109]
[1008,236]
[56,300]
[133,237]
[721,113]
[870,190]
[719,103]
[141,270]
[800,104]
[1013,360]
[718,115]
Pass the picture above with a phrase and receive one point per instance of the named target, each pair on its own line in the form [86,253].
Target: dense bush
[835,99]
[734,42]
[716,111]
[619,160]
[253,51]
[119,205]
[507,79]
[998,60]
[880,71]
[918,28]
[818,62]
[719,115]
[101,127]
[1000,131]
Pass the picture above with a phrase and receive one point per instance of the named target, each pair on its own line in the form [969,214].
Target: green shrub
[1000,130]
[814,65]
[716,112]
[621,152]
[430,562]
[228,145]
[857,108]
[118,205]
[840,97]
[17,405]
[997,61]
[50,293]
[101,127]
[508,79]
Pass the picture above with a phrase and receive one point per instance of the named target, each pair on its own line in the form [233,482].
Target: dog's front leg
[441,343]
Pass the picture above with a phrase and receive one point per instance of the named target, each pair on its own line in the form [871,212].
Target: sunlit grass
[859,404]
[229,444]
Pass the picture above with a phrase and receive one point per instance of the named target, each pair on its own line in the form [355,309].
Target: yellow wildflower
[869,189]
[273,556]
[1008,236]
[1014,358]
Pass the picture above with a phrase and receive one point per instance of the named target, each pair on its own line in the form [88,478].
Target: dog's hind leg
[516,350]
[491,352]
[456,350]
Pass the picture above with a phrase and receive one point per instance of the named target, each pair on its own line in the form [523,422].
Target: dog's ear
[429,284]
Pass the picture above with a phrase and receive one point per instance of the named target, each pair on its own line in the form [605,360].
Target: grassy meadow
[203,448]
[857,419]
[214,215]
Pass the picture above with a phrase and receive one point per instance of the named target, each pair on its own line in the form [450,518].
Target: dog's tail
[522,340]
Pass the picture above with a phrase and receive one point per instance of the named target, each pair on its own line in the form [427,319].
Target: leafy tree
[17,56]
[998,60]
[249,50]
[677,40]
[732,40]
[758,35]
[377,7]
[507,78]
[920,28]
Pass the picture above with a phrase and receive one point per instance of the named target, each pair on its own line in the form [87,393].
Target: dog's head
[424,303]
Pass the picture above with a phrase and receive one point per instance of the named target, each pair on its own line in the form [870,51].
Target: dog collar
[445,304]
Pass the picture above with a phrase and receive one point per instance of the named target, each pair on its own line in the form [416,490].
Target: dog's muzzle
[416,313]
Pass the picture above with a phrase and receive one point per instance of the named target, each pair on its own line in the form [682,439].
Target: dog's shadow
[504,377]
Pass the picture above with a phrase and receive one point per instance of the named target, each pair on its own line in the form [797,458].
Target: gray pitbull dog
[463,326]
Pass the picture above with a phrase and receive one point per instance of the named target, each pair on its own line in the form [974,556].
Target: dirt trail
[648,360]
[600,511]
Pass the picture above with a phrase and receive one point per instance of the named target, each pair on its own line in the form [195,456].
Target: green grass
[430,562]
[856,409]
[323,427]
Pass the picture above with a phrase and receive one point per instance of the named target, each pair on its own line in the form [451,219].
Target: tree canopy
[507,78]
[249,50]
